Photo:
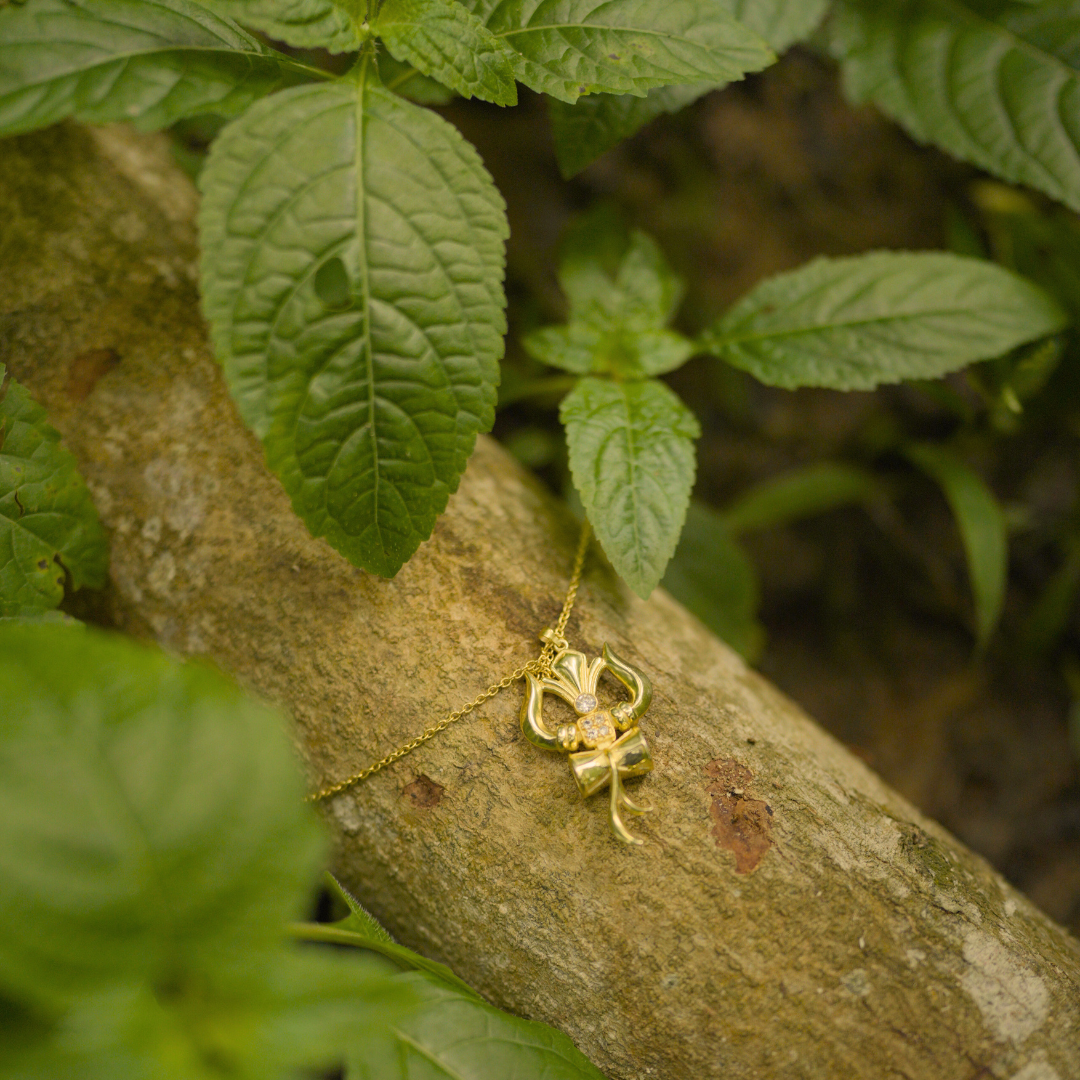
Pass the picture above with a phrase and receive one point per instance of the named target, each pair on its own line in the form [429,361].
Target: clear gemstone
[585,703]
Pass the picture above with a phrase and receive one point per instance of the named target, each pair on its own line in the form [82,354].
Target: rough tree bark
[789,915]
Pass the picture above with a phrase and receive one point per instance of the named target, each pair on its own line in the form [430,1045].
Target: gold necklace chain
[554,641]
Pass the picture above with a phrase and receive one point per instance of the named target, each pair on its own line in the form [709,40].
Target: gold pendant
[608,757]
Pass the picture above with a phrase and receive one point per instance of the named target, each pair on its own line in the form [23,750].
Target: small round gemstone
[585,703]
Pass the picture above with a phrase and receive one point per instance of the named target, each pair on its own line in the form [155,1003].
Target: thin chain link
[554,641]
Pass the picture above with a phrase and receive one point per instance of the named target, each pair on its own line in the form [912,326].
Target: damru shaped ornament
[608,757]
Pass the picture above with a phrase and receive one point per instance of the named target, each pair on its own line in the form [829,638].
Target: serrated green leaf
[583,348]
[148,61]
[598,122]
[631,450]
[446,41]
[369,414]
[982,527]
[780,22]
[711,575]
[997,85]
[453,1036]
[854,323]
[567,48]
[305,24]
[613,277]
[622,293]
[802,493]
[405,80]
[153,844]
[48,524]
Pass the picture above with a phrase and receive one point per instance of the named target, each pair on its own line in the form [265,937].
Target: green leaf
[1051,612]
[148,61]
[780,22]
[632,459]
[454,1036]
[367,414]
[153,845]
[567,48]
[995,84]
[598,122]
[48,524]
[405,80]
[853,323]
[453,1033]
[362,930]
[622,294]
[710,575]
[802,493]
[446,41]
[305,24]
[982,527]
[583,348]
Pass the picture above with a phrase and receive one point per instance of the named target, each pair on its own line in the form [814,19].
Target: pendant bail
[556,641]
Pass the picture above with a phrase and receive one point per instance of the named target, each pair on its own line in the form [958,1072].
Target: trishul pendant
[608,757]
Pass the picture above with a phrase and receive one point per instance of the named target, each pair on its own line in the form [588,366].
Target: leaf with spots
[632,458]
[48,525]
[567,48]
[152,62]
[353,248]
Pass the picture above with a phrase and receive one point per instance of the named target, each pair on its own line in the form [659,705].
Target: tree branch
[788,916]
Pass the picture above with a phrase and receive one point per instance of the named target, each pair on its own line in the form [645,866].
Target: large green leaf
[352,272]
[631,450]
[147,61]
[48,524]
[711,575]
[853,323]
[307,24]
[567,48]
[446,41]
[597,122]
[997,84]
[982,527]
[153,845]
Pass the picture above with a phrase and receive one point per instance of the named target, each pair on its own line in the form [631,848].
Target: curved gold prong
[532,722]
[633,806]
[617,797]
[635,681]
